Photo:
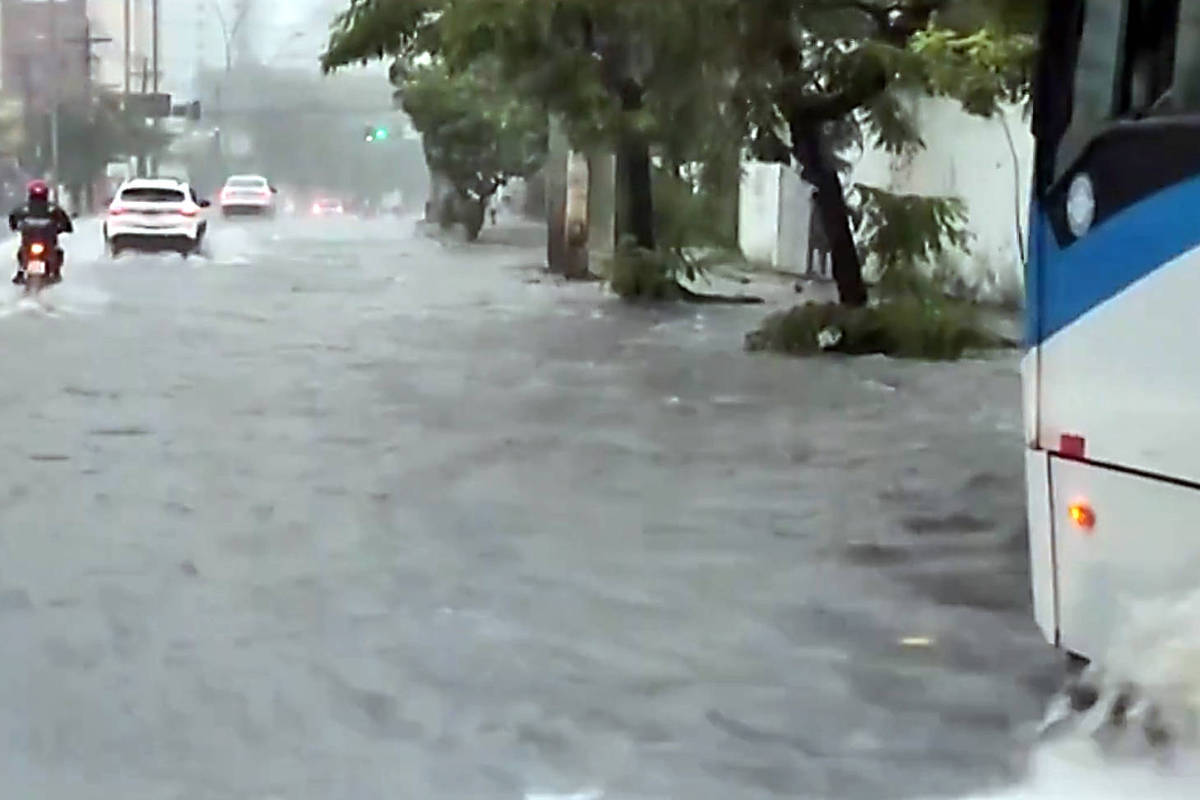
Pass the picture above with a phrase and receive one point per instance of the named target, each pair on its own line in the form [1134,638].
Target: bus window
[1053,90]
[1186,86]
[1097,79]
[1149,57]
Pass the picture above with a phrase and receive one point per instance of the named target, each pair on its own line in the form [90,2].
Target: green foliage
[693,214]
[981,69]
[90,138]
[636,274]
[907,327]
[476,132]
[374,29]
[703,79]
[902,232]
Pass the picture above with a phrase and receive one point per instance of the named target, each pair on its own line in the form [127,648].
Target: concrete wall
[970,158]
[965,156]
[758,212]
[773,211]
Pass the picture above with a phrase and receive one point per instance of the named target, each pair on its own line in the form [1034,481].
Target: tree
[611,70]
[795,80]
[91,137]
[476,133]
[814,75]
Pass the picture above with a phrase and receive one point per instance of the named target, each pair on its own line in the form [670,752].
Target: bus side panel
[1121,320]
[1029,396]
[1144,547]
[1041,542]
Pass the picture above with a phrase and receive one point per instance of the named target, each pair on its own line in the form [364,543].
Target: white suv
[155,214]
[248,194]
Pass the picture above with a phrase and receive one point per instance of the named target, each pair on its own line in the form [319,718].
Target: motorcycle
[39,255]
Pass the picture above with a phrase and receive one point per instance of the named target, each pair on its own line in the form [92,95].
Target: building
[43,55]
[108,21]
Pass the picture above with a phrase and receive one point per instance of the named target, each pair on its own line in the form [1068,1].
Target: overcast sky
[287,32]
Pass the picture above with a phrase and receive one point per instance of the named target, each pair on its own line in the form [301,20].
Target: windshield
[490,422]
[152,194]
[1111,62]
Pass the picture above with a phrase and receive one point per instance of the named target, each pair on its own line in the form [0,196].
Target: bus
[1111,370]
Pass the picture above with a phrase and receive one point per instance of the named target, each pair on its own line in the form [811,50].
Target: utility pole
[155,33]
[88,41]
[56,100]
[128,39]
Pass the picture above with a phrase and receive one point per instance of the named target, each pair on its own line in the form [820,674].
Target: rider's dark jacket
[36,210]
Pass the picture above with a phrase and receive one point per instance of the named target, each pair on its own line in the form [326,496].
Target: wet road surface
[342,512]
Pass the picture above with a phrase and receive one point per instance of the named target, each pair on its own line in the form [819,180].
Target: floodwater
[343,512]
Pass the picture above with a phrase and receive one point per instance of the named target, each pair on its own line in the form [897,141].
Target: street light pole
[56,59]
[155,34]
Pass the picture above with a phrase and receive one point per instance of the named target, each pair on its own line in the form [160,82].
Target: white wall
[758,212]
[773,211]
[969,157]
[965,156]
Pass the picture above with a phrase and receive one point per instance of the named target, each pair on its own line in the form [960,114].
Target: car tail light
[189,212]
[316,209]
[117,211]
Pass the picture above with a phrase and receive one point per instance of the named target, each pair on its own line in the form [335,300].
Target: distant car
[155,214]
[248,194]
[327,206]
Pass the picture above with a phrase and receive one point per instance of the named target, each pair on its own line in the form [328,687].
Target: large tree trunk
[440,192]
[817,167]
[472,214]
[634,174]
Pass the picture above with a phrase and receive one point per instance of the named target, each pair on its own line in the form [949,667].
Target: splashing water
[78,294]
[1134,729]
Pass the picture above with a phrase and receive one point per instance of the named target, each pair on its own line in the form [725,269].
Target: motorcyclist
[38,206]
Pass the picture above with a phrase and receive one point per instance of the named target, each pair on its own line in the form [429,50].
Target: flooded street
[341,512]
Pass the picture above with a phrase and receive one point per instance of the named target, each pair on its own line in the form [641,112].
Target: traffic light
[372,134]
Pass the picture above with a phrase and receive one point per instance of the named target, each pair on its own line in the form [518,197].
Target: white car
[328,207]
[155,214]
[248,194]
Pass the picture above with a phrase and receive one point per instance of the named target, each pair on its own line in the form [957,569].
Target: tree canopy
[89,138]
[797,81]
[477,134]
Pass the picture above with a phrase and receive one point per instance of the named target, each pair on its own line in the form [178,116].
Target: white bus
[1112,371]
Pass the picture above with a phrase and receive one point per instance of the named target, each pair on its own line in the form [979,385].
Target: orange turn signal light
[1082,516]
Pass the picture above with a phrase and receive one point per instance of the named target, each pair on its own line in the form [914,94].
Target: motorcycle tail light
[37,248]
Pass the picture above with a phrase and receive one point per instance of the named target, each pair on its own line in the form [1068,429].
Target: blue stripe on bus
[1038,230]
[1069,282]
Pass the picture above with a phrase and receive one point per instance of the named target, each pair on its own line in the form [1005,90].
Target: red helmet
[38,190]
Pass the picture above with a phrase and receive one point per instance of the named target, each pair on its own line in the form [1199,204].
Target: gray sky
[286,32]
